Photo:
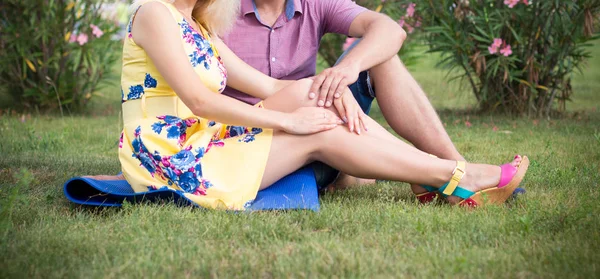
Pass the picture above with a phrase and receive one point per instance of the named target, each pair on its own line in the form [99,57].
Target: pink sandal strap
[507,172]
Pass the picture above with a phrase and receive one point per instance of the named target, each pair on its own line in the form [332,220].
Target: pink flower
[511,3]
[506,51]
[497,42]
[73,38]
[468,124]
[418,24]
[410,11]
[348,43]
[96,31]
[82,39]
[401,22]
[493,49]
[526,2]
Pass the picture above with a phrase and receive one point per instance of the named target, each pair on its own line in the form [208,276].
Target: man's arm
[382,38]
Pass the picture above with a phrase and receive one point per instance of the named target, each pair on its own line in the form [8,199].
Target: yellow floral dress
[165,146]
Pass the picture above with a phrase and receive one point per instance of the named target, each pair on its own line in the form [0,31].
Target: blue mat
[295,191]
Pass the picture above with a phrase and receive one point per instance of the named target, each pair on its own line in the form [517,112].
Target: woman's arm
[157,33]
[244,77]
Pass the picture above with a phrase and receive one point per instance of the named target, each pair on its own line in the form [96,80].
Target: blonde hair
[217,16]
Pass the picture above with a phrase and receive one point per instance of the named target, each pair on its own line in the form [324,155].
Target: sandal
[510,178]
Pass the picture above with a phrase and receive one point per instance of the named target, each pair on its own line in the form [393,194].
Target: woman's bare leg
[374,154]
[367,156]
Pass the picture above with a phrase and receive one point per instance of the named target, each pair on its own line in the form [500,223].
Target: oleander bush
[54,53]
[517,55]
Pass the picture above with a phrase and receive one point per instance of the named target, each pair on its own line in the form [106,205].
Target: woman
[172,114]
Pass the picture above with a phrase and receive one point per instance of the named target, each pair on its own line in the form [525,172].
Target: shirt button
[272,30]
[273,59]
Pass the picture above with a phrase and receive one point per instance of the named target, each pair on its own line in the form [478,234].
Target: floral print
[149,81]
[251,136]
[121,141]
[175,127]
[247,134]
[202,49]
[136,91]
[183,169]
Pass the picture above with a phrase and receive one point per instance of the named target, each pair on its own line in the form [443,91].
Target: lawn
[373,231]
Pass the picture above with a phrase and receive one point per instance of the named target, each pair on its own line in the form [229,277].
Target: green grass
[378,231]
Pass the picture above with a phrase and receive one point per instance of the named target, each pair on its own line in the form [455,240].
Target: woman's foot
[421,192]
[477,177]
[485,184]
[106,177]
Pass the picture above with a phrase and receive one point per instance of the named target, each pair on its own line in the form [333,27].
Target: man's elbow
[399,35]
[396,34]
[402,35]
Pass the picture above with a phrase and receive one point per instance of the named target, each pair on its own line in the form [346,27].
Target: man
[281,38]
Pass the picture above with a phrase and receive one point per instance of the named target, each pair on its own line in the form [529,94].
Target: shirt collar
[291,7]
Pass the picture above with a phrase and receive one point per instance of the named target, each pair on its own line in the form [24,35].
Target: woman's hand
[310,120]
[351,112]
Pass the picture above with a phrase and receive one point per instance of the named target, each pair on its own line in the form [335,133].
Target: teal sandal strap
[429,188]
[459,192]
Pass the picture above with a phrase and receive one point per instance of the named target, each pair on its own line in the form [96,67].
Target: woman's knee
[291,97]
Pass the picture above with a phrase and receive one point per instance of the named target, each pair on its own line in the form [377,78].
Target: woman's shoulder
[154,10]
[151,18]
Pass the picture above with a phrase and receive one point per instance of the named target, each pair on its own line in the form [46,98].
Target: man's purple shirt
[288,50]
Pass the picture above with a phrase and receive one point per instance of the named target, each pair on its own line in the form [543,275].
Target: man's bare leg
[408,111]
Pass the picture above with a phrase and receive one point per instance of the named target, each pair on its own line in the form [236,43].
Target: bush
[53,53]
[517,55]
[333,45]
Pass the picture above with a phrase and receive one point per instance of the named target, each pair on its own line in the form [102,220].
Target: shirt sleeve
[337,15]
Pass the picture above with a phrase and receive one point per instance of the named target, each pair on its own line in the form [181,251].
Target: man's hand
[332,83]
[350,112]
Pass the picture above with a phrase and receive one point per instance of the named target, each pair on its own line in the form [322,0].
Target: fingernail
[320,103]
[328,104]
[351,129]
[337,95]
[366,129]
[345,119]
[312,95]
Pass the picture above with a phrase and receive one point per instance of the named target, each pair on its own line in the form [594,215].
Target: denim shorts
[364,94]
